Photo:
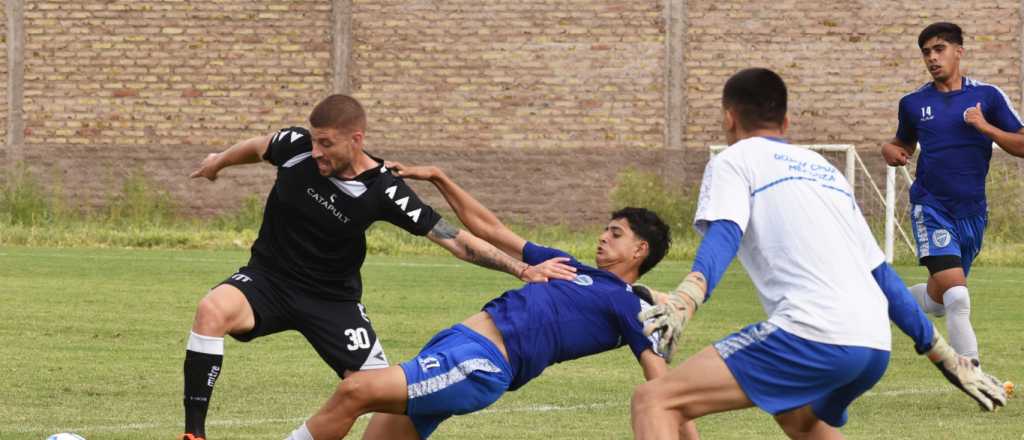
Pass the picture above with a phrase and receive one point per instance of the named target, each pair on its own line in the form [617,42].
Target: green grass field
[92,341]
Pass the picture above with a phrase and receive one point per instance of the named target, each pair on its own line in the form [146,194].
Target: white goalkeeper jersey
[805,245]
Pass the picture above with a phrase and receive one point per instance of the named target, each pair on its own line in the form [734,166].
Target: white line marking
[910,391]
[128,427]
[551,408]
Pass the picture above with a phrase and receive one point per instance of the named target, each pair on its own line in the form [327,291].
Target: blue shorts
[938,233]
[458,372]
[780,372]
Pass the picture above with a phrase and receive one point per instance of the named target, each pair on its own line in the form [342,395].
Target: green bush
[140,203]
[676,207]
[1005,190]
[248,216]
[24,201]
[648,190]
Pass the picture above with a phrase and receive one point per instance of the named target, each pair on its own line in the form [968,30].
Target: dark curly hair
[945,31]
[650,228]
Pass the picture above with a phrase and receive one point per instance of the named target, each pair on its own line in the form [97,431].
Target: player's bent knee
[353,396]
[218,313]
[957,300]
[647,397]
[212,317]
[209,318]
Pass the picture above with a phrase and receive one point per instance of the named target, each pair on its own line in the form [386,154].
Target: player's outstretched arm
[717,249]
[470,248]
[248,151]
[477,218]
[958,370]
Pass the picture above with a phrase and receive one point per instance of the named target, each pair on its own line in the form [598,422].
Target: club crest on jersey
[583,280]
[926,113]
[941,238]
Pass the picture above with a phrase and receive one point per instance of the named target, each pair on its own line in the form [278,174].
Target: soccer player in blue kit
[955,119]
[791,219]
[515,337]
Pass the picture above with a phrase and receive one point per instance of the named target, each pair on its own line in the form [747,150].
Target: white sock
[205,344]
[301,433]
[958,321]
[920,294]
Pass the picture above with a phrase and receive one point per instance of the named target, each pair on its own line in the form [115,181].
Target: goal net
[885,212]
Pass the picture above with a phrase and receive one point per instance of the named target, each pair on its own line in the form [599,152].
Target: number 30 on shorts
[359,337]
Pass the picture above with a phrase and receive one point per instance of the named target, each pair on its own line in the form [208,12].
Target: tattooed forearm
[474,250]
[444,231]
[485,255]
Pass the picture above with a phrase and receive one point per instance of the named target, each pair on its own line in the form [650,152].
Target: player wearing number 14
[955,119]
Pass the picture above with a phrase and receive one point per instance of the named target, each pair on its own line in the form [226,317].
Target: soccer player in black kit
[304,270]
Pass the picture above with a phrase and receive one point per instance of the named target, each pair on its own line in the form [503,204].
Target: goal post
[851,162]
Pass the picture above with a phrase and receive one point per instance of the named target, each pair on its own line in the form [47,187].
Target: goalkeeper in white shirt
[791,218]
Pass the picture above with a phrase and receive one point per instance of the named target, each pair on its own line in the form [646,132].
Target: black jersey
[313,231]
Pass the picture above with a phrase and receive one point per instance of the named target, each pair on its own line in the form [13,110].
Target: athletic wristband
[940,348]
[693,286]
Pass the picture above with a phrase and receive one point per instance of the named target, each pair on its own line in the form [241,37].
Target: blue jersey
[546,323]
[954,156]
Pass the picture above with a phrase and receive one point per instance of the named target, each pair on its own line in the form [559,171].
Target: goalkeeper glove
[963,373]
[670,316]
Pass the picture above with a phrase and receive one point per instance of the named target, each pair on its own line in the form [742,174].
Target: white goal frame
[853,162]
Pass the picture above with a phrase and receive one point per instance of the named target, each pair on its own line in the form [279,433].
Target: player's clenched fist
[895,155]
[974,117]
[208,168]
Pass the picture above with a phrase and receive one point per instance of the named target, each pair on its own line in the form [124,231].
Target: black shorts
[339,331]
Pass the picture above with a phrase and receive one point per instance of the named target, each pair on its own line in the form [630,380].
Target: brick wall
[846,63]
[533,104]
[512,73]
[118,86]
[525,100]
